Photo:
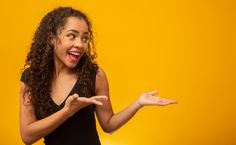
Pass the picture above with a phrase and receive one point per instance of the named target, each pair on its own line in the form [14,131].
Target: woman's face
[71,43]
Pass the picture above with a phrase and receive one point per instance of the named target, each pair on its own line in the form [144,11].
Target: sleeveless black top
[79,129]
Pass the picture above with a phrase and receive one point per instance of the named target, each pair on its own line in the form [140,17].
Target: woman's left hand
[149,99]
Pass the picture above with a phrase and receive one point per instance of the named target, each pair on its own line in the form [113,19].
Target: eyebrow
[75,31]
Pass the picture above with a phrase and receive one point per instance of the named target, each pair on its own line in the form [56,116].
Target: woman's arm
[106,117]
[32,129]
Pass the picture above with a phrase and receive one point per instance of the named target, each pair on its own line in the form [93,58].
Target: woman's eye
[85,39]
[71,36]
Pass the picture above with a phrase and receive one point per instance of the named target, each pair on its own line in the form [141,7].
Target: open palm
[148,99]
[75,103]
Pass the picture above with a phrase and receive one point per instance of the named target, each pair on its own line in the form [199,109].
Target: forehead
[76,24]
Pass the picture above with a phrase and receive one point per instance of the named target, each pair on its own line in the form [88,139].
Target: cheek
[63,46]
[59,51]
[86,47]
[64,42]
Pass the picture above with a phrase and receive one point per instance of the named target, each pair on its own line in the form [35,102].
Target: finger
[71,99]
[173,102]
[153,93]
[76,95]
[100,97]
[90,101]
[96,102]
[167,102]
[83,99]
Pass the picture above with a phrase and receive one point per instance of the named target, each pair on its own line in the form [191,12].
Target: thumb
[76,95]
[153,93]
[71,99]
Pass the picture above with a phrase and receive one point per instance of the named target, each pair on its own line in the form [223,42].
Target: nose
[78,43]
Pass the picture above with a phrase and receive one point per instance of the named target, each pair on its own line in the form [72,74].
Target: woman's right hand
[74,103]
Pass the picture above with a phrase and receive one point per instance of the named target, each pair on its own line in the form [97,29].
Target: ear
[53,41]
[86,49]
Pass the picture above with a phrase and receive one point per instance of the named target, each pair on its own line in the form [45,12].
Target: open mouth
[74,56]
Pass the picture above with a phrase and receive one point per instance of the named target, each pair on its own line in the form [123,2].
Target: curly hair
[41,62]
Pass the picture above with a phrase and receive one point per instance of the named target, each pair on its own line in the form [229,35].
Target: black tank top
[79,129]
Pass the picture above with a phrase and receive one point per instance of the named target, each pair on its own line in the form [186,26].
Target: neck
[61,69]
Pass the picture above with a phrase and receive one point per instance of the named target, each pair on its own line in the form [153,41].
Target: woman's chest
[61,88]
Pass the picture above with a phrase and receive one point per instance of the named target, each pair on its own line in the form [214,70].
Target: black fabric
[24,76]
[80,129]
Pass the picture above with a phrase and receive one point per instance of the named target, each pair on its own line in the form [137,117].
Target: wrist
[137,104]
[66,112]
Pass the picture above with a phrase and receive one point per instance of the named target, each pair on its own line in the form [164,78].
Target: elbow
[27,139]
[108,130]
[26,142]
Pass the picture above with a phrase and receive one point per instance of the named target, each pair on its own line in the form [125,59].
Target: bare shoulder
[24,94]
[23,88]
[101,76]
[100,73]
[101,81]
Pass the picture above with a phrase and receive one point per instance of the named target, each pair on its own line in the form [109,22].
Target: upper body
[61,55]
[80,128]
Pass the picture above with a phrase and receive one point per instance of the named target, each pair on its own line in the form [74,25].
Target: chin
[72,66]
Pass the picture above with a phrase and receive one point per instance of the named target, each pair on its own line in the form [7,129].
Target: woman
[63,86]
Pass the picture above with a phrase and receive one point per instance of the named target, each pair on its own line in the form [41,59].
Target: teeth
[74,54]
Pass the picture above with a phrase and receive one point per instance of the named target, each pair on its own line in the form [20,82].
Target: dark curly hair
[41,62]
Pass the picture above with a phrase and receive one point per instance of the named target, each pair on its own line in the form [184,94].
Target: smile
[74,56]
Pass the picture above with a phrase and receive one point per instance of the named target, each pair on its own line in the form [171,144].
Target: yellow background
[183,48]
